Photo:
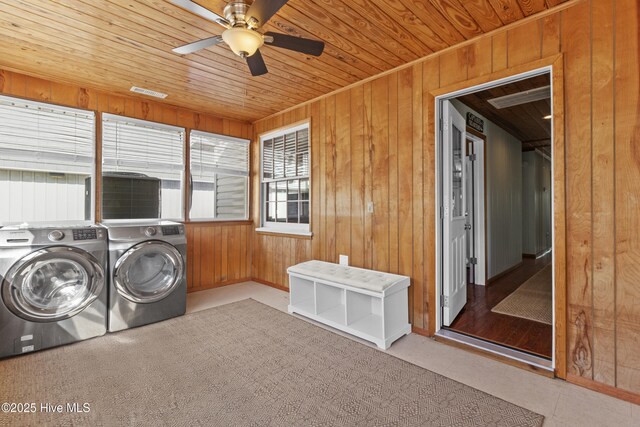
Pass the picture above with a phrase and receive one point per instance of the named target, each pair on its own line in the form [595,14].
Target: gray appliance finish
[147,268]
[53,286]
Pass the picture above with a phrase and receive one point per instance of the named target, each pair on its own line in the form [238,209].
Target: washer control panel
[84,234]
[170,230]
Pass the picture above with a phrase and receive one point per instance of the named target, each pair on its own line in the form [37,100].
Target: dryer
[53,289]
[147,269]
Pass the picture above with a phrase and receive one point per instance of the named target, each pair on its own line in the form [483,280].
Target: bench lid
[357,277]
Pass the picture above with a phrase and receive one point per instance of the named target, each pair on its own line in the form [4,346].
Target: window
[285,180]
[142,169]
[219,177]
[46,159]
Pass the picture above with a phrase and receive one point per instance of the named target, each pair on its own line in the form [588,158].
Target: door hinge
[444,301]
[473,261]
[441,212]
[472,157]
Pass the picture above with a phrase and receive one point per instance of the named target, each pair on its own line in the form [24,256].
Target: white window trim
[246,205]
[279,227]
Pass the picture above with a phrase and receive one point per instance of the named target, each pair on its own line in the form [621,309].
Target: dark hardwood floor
[477,320]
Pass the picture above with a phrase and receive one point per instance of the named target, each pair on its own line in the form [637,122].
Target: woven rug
[532,300]
[241,364]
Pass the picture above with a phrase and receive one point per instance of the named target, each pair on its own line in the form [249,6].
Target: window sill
[219,222]
[285,233]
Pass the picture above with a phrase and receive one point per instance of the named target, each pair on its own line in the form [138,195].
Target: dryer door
[149,271]
[52,284]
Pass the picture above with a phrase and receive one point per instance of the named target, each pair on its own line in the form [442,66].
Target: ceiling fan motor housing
[235,12]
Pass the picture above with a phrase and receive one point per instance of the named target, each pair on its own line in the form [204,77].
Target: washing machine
[147,270]
[53,289]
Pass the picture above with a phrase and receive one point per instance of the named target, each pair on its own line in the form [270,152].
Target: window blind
[286,155]
[45,138]
[224,162]
[131,145]
[211,154]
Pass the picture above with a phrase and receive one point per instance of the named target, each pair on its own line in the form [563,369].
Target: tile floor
[561,403]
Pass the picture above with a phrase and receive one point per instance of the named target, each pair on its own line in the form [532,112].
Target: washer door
[52,284]
[148,272]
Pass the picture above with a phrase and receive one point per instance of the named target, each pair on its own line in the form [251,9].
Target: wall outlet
[370,207]
[344,259]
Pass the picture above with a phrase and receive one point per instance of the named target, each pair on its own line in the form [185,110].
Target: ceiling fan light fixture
[242,41]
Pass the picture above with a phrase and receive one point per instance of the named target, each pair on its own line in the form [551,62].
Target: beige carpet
[242,364]
[532,300]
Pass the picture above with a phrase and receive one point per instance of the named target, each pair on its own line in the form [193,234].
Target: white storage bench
[365,303]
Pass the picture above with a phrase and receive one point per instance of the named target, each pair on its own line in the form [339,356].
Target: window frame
[190,177]
[283,227]
[158,125]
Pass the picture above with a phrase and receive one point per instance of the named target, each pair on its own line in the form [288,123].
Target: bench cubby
[365,303]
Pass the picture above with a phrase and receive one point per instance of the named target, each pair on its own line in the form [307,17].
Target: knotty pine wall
[368,144]
[218,253]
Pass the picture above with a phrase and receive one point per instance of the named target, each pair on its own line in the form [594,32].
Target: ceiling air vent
[148,92]
[523,97]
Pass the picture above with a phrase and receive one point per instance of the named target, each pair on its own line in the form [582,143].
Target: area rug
[241,364]
[532,300]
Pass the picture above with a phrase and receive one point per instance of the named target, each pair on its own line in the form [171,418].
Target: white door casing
[454,210]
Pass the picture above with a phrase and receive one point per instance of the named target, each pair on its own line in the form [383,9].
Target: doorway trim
[554,65]
[479,140]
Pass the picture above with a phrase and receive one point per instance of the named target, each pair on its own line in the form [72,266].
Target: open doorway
[495,182]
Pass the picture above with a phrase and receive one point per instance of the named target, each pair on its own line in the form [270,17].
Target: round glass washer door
[52,284]
[148,272]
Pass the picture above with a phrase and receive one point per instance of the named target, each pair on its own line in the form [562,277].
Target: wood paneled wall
[368,145]
[218,253]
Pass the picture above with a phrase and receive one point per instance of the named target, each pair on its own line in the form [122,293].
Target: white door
[454,233]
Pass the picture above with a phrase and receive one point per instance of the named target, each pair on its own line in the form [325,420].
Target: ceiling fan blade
[200,44]
[262,10]
[256,64]
[201,11]
[299,44]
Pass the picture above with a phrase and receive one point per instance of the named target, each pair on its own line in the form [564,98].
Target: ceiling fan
[242,19]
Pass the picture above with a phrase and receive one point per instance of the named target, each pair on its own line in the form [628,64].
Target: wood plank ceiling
[525,121]
[115,44]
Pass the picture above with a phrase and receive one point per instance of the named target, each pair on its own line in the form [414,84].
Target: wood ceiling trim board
[399,11]
[388,22]
[350,28]
[458,17]
[117,41]
[483,13]
[288,74]
[508,10]
[567,4]
[530,7]
[432,17]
